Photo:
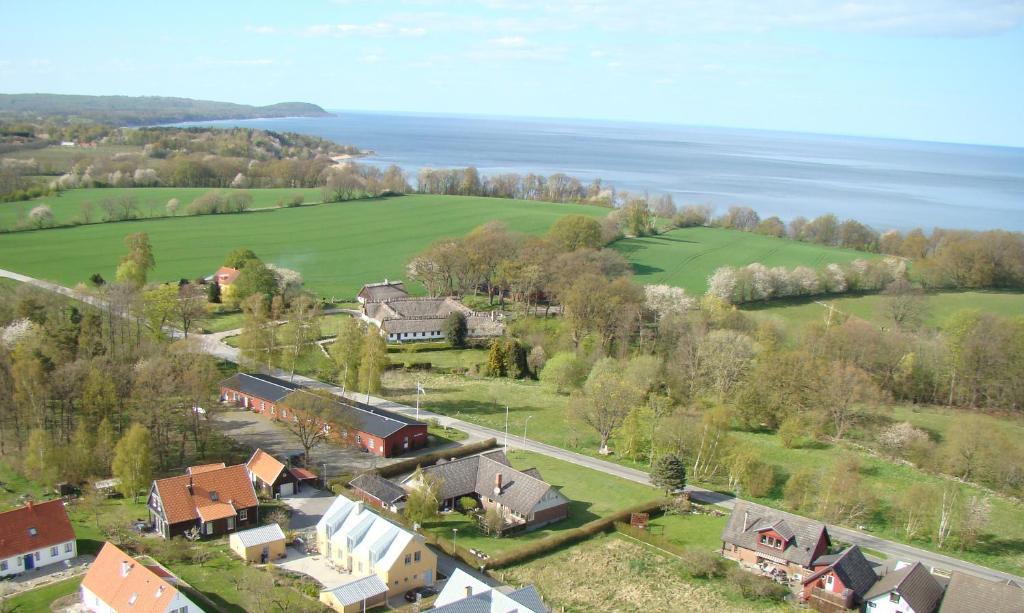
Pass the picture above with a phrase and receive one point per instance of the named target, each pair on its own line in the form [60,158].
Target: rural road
[213,345]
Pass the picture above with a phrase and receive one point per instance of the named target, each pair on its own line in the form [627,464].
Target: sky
[940,70]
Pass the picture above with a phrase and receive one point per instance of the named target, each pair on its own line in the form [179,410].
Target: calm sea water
[884,183]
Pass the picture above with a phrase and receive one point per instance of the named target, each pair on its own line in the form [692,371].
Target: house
[464,594]
[270,477]
[967,593]
[774,540]
[838,581]
[524,499]
[378,491]
[355,596]
[225,276]
[908,589]
[212,500]
[35,535]
[404,318]
[359,541]
[378,431]
[118,583]
[259,545]
[386,290]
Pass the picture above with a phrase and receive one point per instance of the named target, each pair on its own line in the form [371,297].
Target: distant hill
[141,110]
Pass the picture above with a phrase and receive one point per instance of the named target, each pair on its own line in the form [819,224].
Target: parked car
[420,592]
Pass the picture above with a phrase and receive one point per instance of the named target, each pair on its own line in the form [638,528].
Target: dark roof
[520,491]
[528,597]
[967,593]
[380,488]
[914,584]
[852,568]
[261,386]
[748,519]
[383,290]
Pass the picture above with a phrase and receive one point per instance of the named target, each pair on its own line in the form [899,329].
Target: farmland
[337,247]
[686,257]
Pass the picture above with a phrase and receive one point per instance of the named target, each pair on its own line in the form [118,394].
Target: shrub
[791,432]
[701,563]
[296,200]
[467,504]
[407,466]
[755,587]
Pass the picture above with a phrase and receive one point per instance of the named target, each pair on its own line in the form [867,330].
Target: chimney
[125,566]
[497,484]
[469,591]
[189,483]
[29,504]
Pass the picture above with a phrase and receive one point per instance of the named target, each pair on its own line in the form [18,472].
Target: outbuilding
[359,595]
[259,545]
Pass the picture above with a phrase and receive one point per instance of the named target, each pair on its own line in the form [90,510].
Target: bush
[702,563]
[407,466]
[755,587]
[467,504]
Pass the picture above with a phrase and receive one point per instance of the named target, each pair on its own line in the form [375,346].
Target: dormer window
[133,598]
[32,532]
[214,496]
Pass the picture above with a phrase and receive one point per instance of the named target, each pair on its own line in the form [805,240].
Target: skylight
[214,496]
[32,532]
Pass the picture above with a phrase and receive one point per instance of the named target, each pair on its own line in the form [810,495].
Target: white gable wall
[882,604]
[180,603]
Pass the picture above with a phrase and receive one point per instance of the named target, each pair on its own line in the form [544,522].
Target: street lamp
[324,473]
[455,532]
[526,423]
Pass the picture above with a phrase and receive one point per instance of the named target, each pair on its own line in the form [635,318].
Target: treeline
[756,282]
[558,187]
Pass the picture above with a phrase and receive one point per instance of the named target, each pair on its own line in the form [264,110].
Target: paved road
[215,347]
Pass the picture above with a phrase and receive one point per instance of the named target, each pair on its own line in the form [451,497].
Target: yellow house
[357,596]
[259,545]
[353,538]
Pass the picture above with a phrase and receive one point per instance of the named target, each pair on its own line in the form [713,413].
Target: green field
[151,201]
[938,307]
[686,257]
[337,247]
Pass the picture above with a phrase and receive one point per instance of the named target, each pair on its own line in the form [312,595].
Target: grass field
[152,201]
[592,494]
[40,598]
[938,307]
[686,257]
[613,573]
[337,247]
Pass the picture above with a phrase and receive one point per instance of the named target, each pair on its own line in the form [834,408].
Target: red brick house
[773,540]
[213,498]
[839,581]
[381,432]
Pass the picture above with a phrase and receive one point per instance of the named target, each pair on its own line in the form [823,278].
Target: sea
[885,183]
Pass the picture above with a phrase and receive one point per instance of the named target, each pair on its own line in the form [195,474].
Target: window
[370,444]
[894,597]
[263,406]
[54,551]
[408,559]
[68,547]
[208,527]
[284,412]
[3,565]
[829,580]
[416,556]
[36,556]
[273,410]
[359,439]
[243,515]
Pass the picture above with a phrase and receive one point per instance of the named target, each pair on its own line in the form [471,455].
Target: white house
[35,535]
[908,589]
[463,593]
[118,583]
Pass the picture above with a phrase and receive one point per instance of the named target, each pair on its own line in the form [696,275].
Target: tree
[373,360]
[669,473]
[904,304]
[190,306]
[133,461]
[41,216]
[493,521]
[213,292]
[255,279]
[346,350]
[914,509]
[605,401]
[799,488]
[455,329]
[106,442]
[239,257]
[302,331]
[563,372]
[845,390]
[158,306]
[308,415]
[574,232]
[39,460]
[423,500]
[258,340]
[135,266]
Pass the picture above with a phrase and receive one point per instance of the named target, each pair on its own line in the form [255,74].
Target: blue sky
[942,70]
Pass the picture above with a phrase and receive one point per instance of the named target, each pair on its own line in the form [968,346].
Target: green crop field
[151,201]
[938,307]
[337,247]
[686,257]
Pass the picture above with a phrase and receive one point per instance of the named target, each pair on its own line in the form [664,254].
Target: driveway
[308,506]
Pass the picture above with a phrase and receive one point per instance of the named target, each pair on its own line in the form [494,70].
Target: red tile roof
[264,466]
[48,520]
[205,468]
[225,275]
[302,474]
[230,485]
[125,584]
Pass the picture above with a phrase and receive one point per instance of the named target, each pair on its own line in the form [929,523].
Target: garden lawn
[40,598]
[592,494]
[686,257]
[704,531]
[151,201]
[337,247]
[938,307]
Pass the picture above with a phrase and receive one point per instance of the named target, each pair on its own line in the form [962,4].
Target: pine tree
[133,461]
[669,473]
[455,329]
[213,292]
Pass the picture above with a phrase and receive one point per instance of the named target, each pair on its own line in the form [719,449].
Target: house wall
[41,557]
[882,604]
[93,603]
[255,553]
[220,526]
[548,516]
[253,403]
[821,582]
[748,556]
[402,577]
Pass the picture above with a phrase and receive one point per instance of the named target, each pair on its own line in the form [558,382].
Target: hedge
[428,459]
[550,543]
